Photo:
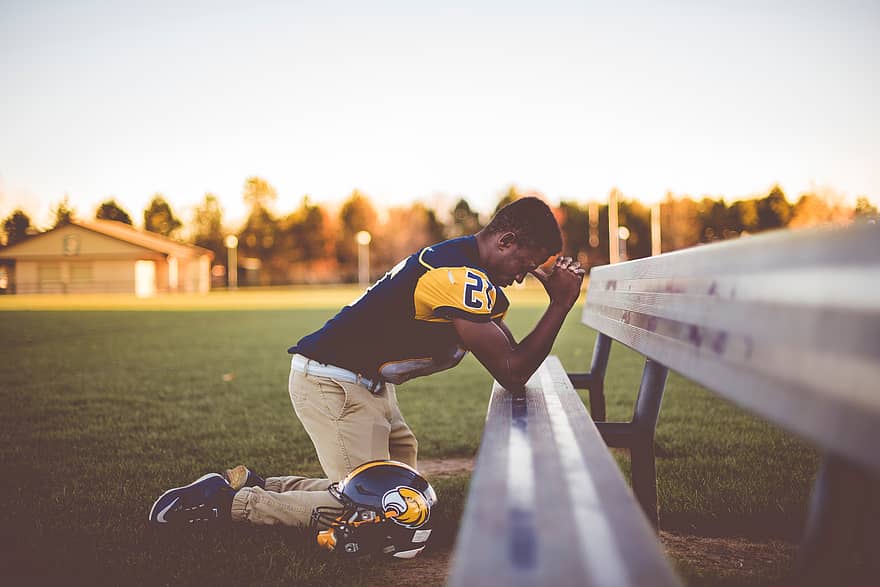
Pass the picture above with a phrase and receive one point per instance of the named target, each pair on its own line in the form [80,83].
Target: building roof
[127,233]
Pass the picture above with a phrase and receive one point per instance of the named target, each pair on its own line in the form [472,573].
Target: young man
[420,318]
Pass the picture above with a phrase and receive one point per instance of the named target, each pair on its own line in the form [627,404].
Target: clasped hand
[563,281]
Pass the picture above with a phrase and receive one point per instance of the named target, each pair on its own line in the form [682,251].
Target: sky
[433,101]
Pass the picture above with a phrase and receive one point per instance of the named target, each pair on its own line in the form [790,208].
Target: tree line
[312,244]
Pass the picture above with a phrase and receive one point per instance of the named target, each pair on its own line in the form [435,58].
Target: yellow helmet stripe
[371,464]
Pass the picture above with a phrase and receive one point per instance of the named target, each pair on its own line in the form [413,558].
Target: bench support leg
[843,512]
[594,381]
[644,423]
[601,352]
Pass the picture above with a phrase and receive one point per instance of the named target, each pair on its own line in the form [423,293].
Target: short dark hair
[533,223]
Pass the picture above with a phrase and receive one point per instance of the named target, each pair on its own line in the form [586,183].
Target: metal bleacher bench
[785,324]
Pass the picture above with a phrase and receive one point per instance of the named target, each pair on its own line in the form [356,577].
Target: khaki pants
[348,426]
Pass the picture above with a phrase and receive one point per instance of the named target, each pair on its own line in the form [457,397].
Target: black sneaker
[207,499]
[241,476]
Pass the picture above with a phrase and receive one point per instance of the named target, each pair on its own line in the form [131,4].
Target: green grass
[104,409]
[255,298]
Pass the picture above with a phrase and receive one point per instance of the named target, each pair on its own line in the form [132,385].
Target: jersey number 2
[474,296]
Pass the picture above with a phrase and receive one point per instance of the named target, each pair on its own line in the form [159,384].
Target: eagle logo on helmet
[409,505]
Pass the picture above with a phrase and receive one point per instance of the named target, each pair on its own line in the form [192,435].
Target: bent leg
[402,443]
[292,483]
[291,508]
[346,423]
[348,426]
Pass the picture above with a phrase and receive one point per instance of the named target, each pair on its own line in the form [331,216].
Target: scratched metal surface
[785,324]
[547,503]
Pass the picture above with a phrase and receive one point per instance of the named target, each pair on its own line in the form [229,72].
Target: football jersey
[401,327]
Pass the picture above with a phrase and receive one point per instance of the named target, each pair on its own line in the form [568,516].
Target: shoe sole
[167,505]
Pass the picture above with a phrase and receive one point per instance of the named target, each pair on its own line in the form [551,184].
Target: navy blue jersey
[401,327]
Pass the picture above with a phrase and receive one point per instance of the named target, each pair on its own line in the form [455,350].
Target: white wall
[75,276]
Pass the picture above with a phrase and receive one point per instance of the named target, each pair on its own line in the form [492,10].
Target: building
[104,256]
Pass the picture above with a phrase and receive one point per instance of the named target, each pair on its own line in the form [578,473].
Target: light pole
[363,239]
[623,236]
[593,219]
[232,262]
[656,247]
[652,198]
[613,243]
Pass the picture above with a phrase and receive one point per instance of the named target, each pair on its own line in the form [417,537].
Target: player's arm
[512,363]
[503,326]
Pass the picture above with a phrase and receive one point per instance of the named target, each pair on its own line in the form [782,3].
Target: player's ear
[506,240]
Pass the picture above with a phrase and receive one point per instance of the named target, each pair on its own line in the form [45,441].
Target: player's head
[520,237]
[533,223]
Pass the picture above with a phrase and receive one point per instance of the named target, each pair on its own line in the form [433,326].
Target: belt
[309,366]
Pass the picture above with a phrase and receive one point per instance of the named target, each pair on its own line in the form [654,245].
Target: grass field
[108,401]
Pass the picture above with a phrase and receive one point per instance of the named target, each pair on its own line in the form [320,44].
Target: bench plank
[547,503]
[786,325]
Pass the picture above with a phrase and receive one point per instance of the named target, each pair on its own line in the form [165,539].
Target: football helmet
[385,509]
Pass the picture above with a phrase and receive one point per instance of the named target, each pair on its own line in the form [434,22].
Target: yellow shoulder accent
[463,288]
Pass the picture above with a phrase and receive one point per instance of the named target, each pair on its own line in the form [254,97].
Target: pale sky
[409,100]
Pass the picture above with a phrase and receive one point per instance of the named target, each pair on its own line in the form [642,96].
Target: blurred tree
[63,213]
[715,220]
[864,210]
[257,240]
[464,220]
[408,229]
[306,249]
[597,234]
[16,227]
[159,218]
[774,211]
[575,231]
[600,255]
[744,216]
[681,223]
[637,218]
[207,227]
[315,235]
[435,229]
[258,193]
[306,233]
[110,210]
[816,209]
[258,237]
[357,213]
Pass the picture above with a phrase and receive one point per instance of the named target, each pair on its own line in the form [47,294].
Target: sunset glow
[409,101]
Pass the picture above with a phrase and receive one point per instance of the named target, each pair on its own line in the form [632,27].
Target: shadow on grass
[130,551]
[763,526]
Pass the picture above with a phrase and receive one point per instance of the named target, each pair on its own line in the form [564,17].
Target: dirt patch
[441,467]
[748,560]
[730,557]
[427,570]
